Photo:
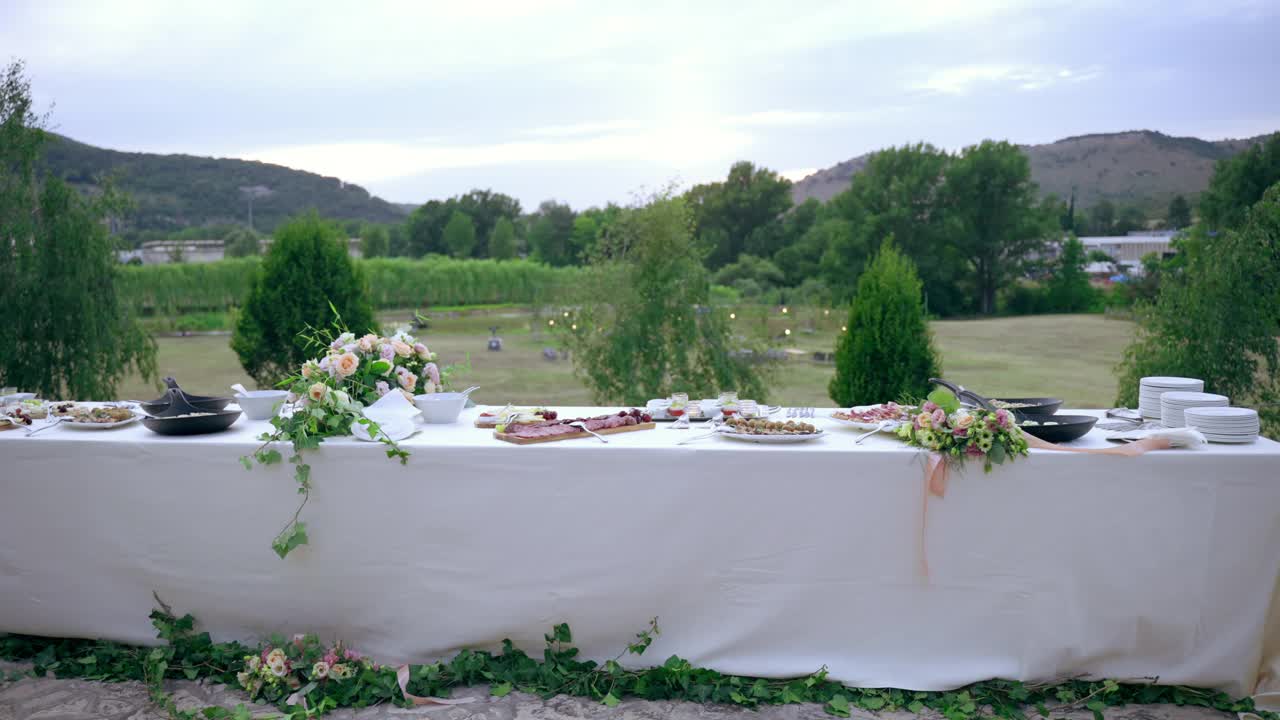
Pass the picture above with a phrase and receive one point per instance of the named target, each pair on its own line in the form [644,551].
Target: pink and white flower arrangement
[943,427]
[275,671]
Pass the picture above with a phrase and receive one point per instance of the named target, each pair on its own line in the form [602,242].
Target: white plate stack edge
[1224,424]
[1151,388]
[1174,404]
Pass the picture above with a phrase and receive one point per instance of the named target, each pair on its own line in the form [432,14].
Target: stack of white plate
[1174,404]
[1151,388]
[1224,424]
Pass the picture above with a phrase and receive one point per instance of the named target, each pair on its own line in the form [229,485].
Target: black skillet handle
[978,400]
[171,383]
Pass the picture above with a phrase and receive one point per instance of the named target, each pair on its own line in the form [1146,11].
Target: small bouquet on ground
[295,670]
[956,433]
[329,395]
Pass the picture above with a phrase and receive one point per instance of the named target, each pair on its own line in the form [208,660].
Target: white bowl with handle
[261,404]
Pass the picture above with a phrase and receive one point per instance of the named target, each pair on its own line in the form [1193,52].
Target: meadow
[1067,356]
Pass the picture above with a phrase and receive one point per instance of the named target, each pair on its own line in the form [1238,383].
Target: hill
[1141,167]
[174,192]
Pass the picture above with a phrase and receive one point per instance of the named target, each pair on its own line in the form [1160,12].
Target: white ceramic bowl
[440,408]
[261,404]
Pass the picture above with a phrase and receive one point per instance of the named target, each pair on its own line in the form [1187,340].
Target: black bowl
[1068,427]
[201,402]
[192,424]
[1034,406]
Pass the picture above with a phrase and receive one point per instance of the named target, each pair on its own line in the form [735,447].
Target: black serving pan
[181,417]
[205,403]
[1034,406]
[1068,428]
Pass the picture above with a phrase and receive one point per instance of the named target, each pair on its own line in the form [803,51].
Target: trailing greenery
[1217,316]
[886,352]
[66,332]
[187,654]
[179,289]
[643,325]
[306,277]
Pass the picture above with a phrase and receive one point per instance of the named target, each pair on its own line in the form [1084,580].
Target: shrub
[1217,318]
[305,276]
[241,242]
[886,353]
[502,242]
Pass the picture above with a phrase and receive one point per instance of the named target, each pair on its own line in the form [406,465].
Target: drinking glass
[679,409]
[729,403]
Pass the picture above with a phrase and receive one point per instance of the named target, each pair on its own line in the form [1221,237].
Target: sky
[597,101]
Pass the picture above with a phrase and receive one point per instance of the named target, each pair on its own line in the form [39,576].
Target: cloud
[966,79]
[798,174]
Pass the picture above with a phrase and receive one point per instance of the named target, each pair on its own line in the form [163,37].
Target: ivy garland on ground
[191,655]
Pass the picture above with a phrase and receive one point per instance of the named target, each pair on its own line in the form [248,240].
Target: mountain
[174,192]
[1140,167]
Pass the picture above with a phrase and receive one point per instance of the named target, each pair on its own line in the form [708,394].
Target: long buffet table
[762,560]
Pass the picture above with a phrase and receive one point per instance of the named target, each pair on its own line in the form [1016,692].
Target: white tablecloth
[760,560]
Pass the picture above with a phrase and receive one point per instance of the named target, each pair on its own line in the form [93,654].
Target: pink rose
[422,351]
[382,387]
[386,352]
[401,349]
[928,406]
[1003,417]
[924,420]
[367,342]
[433,373]
[939,417]
[408,381]
[974,451]
[346,364]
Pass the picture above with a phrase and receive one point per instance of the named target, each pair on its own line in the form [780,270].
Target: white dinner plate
[772,439]
[68,422]
[892,425]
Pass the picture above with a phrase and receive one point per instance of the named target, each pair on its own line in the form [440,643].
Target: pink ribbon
[402,677]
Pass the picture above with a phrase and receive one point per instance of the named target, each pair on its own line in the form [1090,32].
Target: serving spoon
[583,427]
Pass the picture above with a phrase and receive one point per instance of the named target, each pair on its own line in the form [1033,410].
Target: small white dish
[440,408]
[772,439]
[67,422]
[261,404]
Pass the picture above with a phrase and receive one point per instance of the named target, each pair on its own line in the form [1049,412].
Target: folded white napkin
[394,415]
[1177,437]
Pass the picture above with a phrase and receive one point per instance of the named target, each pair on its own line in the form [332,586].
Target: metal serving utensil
[583,427]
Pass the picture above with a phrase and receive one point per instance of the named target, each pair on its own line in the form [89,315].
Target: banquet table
[766,560]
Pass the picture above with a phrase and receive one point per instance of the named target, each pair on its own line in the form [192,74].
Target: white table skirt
[758,560]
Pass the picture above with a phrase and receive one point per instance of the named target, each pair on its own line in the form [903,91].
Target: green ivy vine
[191,655]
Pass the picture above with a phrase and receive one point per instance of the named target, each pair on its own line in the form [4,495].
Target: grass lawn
[1067,356]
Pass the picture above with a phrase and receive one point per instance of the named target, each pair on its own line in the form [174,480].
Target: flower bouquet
[297,668]
[943,427]
[328,397]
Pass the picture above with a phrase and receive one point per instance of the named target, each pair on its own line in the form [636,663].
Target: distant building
[1130,249]
[159,252]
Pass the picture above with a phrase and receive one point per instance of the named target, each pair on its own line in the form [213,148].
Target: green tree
[749,267]
[801,260]
[398,240]
[1000,223]
[425,228]
[1102,218]
[305,275]
[729,212]
[66,334]
[582,240]
[502,242]
[1239,182]
[1068,289]
[900,194]
[551,234]
[241,242]
[460,235]
[1217,318]
[375,241]
[1130,218]
[1179,215]
[886,353]
[644,324]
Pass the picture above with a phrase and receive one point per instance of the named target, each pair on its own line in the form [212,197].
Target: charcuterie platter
[575,428]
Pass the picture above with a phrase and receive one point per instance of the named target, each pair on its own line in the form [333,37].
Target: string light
[844,329]
[787,331]
[566,313]
[551,322]
[784,311]
[573,326]
[733,316]
[826,312]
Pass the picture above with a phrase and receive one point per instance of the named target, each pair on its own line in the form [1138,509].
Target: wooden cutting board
[516,439]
